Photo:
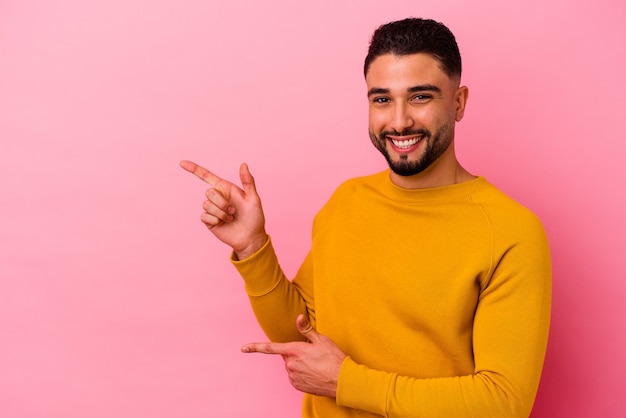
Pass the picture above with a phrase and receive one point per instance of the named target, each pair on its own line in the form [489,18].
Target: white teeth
[406,144]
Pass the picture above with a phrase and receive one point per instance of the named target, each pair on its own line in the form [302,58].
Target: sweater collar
[450,192]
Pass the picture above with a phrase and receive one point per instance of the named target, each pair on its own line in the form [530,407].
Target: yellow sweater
[440,298]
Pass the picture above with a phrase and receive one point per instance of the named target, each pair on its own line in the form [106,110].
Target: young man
[426,292]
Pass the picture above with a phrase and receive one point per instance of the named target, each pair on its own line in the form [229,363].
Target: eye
[421,98]
[380,100]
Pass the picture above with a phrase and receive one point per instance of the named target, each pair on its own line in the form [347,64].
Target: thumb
[247,181]
[306,329]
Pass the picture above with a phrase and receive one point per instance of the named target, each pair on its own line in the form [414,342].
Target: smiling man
[426,292]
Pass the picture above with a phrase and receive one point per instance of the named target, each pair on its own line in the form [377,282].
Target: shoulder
[349,192]
[354,186]
[369,181]
[506,215]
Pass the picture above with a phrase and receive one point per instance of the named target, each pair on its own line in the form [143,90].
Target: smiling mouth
[406,143]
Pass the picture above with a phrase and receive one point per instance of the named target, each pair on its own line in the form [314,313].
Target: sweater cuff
[363,388]
[260,271]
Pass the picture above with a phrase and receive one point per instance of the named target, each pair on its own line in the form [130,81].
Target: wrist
[250,249]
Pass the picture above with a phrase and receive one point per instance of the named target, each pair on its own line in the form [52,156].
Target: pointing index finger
[265,348]
[200,172]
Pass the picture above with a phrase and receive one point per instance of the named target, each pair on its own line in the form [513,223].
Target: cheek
[377,120]
[434,118]
[425,116]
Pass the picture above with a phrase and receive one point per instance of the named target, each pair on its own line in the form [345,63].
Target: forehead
[402,71]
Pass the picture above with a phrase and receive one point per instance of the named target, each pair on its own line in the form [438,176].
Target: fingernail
[245,349]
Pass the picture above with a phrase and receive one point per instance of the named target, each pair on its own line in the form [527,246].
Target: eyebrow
[414,89]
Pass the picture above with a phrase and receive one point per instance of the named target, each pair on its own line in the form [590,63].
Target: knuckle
[209,207]
[209,220]
[214,212]
[291,365]
[214,193]
[210,193]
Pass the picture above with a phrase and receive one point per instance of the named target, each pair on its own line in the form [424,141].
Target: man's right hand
[234,215]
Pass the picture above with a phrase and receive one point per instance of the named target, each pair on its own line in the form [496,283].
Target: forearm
[275,301]
[482,395]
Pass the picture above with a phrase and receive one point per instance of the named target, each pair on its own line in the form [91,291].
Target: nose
[401,118]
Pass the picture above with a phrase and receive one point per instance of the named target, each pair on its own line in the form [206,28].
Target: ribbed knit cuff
[261,271]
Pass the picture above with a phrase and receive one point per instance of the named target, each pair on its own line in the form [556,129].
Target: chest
[415,263]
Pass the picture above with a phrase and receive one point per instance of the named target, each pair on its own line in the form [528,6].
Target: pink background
[115,300]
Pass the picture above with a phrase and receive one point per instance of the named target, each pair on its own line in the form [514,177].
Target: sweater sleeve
[509,341]
[276,301]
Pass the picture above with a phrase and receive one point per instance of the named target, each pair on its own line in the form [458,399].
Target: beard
[436,145]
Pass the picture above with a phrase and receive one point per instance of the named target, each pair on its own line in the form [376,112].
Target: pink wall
[114,299]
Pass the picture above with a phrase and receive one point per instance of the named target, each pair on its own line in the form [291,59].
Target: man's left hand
[312,366]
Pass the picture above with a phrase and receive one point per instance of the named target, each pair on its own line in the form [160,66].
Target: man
[426,292]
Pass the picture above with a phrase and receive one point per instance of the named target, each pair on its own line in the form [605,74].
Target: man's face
[413,106]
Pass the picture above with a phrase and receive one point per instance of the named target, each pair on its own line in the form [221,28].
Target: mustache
[407,132]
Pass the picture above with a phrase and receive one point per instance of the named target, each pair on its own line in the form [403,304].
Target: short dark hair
[412,36]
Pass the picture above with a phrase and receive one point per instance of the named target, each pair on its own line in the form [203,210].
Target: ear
[460,99]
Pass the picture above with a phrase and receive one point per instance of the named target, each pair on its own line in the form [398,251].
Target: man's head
[412,72]
[412,36]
